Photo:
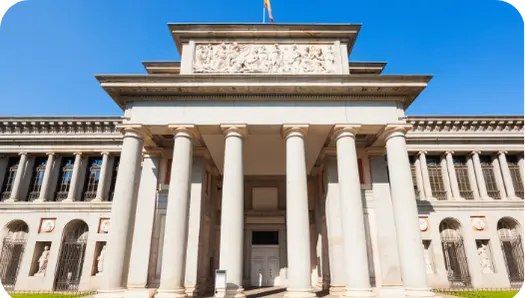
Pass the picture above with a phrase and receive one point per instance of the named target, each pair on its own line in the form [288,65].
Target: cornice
[59,126]
[466,125]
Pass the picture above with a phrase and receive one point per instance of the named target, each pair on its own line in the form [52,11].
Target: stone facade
[267,154]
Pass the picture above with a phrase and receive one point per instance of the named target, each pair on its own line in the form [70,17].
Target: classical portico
[257,122]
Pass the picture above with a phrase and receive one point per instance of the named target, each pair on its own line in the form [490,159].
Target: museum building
[265,153]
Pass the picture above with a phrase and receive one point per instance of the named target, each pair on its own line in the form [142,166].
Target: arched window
[37,179]
[71,257]
[454,254]
[511,247]
[9,180]
[64,182]
[92,179]
[13,246]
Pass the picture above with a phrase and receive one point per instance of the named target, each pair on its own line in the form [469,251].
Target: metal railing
[439,195]
[5,195]
[467,194]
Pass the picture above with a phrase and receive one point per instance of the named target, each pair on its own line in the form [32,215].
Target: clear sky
[51,49]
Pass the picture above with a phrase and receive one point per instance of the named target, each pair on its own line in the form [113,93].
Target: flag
[269,8]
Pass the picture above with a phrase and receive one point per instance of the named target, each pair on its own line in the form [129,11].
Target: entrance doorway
[265,259]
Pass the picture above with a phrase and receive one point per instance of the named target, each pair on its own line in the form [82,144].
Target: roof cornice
[471,125]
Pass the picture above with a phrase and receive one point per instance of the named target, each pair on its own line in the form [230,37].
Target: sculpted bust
[255,58]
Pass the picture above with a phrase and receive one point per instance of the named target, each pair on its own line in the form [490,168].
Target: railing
[33,195]
[467,194]
[61,195]
[439,195]
[495,194]
[5,195]
[89,195]
[519,193]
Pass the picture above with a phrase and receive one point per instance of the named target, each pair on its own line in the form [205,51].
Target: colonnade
[356,280]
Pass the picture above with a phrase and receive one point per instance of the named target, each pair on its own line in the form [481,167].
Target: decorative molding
[47,225]
[53,126]
[478,223]
[466,125]
[229,58]
[103,227]
[423,223]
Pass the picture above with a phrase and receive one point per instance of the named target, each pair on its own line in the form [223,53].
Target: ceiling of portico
[264,148]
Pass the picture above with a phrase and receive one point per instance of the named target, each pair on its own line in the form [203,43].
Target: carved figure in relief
[42,262]
[484,260]
[276,59]
[100,260]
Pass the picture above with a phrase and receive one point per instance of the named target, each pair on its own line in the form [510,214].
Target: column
[357,275]
[75,181]
[413,268]
[101,187]
[419,180]
[482,186]
[522,168]
[334,229]
[232,210]
[446,178]
[507,179]
[176,231]
[46,183]
[142,233]
[122,211]
[4,161]
[17,184]
[472,178]
[452,176]
[424,173]
[498,177]
[297,217]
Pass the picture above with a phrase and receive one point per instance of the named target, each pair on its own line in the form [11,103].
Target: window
[37,178]
[436,177]
[514,169]
[413,160]
[116,164]
[92,178]
[265,238]
[9,178]
[465,190]
[64,182]
[488,175]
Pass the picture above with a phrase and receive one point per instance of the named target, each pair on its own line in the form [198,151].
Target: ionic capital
[239,130]
[449,152]
[348,130]
[50,153]
[294,129]
[422,152]
[184,130]
[500,152]
[77,153]
[104,153]
[22,153]
[474,152]
[133,130]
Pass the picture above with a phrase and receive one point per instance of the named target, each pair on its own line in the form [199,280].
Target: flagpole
[264,14]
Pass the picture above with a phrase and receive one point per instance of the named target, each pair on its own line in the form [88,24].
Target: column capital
[396,129]
[422,152]
[22,153]
[105,153]
[77,153]
[188,130]
[341,130]
[240,130]
[504,152]
[137,130]
[289,129]
[447,152]
[474,152]
[50,153]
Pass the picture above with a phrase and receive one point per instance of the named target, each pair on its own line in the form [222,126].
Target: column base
[96,200]
[38,200]
[356,292]
[419,292]
[299,293]
[119,293]
[192,290]
[10,200]
[140,293]
[514,198]
[179,293]
[68,200]
[486,199]
[231,293]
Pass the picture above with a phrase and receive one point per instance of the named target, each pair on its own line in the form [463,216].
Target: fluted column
[413,268]
[17,184]
[480,179]
[446,178]
[424,174]
[419,180]
[75,181]
[176,231]
[297,217]
[522,168]
[499,178]
[232,210]
[101,187]
[472,178]
[357,280]
[507,179]
[454,186]
[122,213]
[47,178]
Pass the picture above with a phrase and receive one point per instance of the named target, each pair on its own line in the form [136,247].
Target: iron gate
[513,254]
[456,262]
[12,252]
[71,260]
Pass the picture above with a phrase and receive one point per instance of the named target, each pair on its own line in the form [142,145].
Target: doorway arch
[13,247]
[454,253]
[511,246]
[71,257]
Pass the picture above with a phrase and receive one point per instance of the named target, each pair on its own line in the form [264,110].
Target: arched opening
[13,246]
[71,259]
[511,247]
[454,253]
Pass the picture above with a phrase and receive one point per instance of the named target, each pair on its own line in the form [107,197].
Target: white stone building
[265,153]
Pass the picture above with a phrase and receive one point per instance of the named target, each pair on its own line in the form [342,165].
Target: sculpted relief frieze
[229,58]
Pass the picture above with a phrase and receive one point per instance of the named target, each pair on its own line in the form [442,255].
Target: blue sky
[51,49]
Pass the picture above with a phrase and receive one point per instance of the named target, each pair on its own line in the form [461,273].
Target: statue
[100,260]
[42,262]
[484,260]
